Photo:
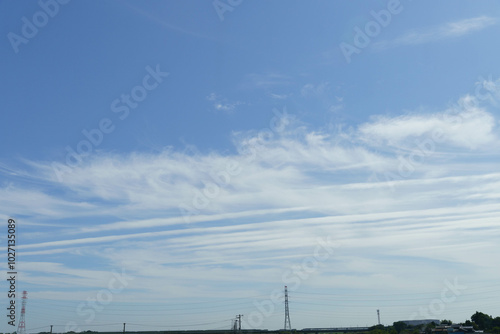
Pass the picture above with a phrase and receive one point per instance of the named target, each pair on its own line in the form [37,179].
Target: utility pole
[234,325]
[239,321]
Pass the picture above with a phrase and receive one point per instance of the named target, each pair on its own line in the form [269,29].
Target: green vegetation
[486,322]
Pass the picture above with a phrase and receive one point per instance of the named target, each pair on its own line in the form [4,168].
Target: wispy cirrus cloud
[310,90]
[149,188]
[464,126]
[266,80]
[222,104]
[292,186]
[433,34]
[279,96]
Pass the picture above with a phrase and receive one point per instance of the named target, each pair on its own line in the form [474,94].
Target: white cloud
[465,125]
[266,80]
[222,104]
[278,96]
[260,211]
[212,97]
[311,90]
[271,171]
[448,30]
[336,108]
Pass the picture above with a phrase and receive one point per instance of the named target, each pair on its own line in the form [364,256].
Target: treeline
[485,322]
[479,321]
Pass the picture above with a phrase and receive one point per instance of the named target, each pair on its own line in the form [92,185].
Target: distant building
[421,322]
[455,329]
[442,329]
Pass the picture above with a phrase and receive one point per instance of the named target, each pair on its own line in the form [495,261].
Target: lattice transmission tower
[287,312]
[21,329]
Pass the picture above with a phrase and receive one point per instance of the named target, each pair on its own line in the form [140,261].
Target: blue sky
[174,164]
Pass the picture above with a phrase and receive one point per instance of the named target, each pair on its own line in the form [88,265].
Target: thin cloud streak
[445,31]
[296,186]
